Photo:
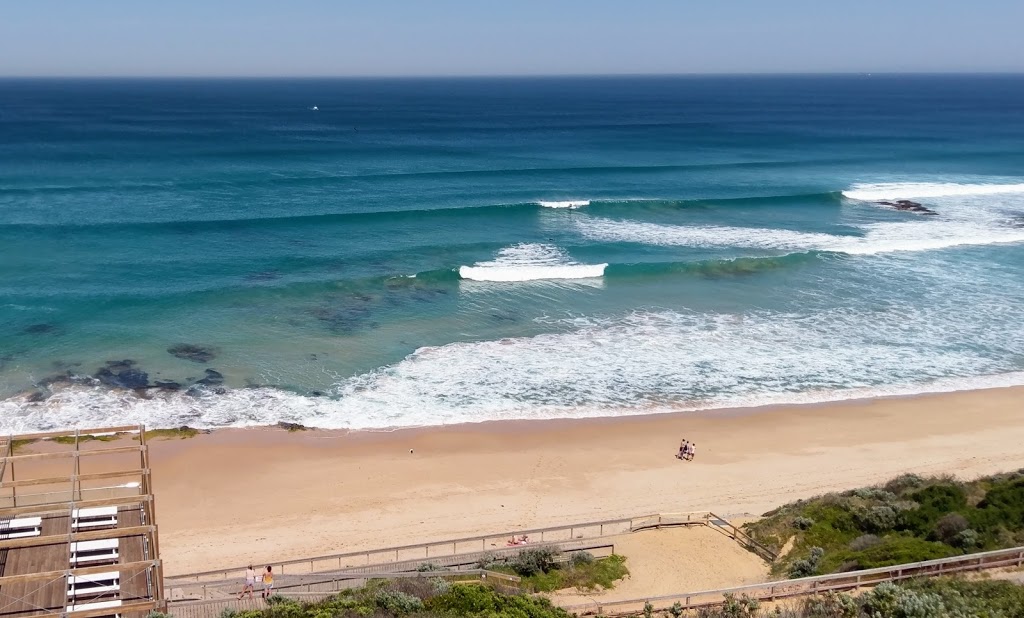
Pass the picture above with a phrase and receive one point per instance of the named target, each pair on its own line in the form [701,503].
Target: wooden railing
[213,607]
[425,552]
[775,590]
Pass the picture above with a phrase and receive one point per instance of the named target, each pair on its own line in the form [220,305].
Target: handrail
[700,516]
[773,590]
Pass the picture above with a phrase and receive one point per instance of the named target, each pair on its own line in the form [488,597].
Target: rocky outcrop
[909,206]
[130,379]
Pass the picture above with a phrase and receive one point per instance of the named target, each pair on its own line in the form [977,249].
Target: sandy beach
[235,496]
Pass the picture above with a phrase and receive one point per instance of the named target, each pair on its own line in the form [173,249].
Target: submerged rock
[167,385]
[909,206]
[43,328]
[120,365]
[213,378]
[130,379]
[192,352]
[36,397]
[292,426]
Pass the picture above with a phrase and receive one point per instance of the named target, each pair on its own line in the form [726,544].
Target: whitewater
[426,252]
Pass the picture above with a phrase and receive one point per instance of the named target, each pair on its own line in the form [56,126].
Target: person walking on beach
[268,583]
[250,582]
[693,451]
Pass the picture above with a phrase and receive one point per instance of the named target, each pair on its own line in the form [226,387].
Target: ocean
[378,253]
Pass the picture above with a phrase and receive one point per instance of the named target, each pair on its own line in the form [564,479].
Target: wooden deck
[71,496]
[37,597]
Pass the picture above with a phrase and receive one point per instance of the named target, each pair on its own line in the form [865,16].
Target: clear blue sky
[505,37]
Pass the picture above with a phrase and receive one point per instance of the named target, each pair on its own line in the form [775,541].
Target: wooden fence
[773,591]
[212,608]
[426,552]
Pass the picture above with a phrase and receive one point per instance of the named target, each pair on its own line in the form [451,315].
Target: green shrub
[864,541]
[397,602]
[534,560]
[892,601]
[876,518]
[581,558]
[830,605]
[803,523]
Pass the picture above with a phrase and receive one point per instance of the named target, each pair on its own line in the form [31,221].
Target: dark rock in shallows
[36,397]
[194,353]
[317,393]
[292,426]
[213,378]
[40,329]
[120,365]
[167,385]
[128,379]
[909,206]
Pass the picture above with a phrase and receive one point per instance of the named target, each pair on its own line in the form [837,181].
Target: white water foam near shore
[641,363]
[531,262]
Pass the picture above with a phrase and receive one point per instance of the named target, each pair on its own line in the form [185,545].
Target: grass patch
[19,445]
[180,433]
[909,519]
[581,571]
[86,438]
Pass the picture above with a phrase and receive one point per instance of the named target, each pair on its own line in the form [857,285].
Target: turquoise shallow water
[421,252]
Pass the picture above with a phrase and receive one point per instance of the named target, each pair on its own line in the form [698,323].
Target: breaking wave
[893,191]
[531,262]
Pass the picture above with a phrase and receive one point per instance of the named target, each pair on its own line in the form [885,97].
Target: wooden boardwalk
[38,597]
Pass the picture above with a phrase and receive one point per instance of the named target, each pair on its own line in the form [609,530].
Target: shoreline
[138,409]
[260,494]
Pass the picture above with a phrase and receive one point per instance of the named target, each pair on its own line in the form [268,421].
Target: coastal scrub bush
[892,601]
[809,565]
[397,602]
[948,526]
[830,605]
[876,518]
[580,558]
[676,610]
[803,523]
[739,607]
[864,541]
[428,567]
[534,560]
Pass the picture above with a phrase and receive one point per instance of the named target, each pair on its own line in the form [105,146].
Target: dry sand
[258,495]
[670,561]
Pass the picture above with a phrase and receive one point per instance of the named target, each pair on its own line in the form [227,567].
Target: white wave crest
[877,238]
[893,191]
[566,204]
[531,262]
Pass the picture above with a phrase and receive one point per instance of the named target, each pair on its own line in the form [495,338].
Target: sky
[303,38]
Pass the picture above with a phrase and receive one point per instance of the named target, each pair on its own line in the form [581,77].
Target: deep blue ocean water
[377,253]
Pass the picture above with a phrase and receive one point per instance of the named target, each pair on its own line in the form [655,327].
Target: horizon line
[524,75]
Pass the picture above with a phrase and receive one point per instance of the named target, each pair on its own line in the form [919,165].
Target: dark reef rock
[192,352]
[167,385]
[129,379]
[909,206]
[292,426]
[43,328]
[213,378]
[36,397]
[120,365]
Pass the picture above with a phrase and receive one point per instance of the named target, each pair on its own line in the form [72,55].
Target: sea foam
[565,204]
[640,363]
[531,262]
[894,191]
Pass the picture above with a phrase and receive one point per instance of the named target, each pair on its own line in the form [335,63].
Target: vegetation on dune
[411,597]
[179,433]
[86,438]
[545,569]
[909,519]
[931,598]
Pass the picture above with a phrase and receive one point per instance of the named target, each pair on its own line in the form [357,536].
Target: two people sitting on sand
[686,450]
[523,540]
